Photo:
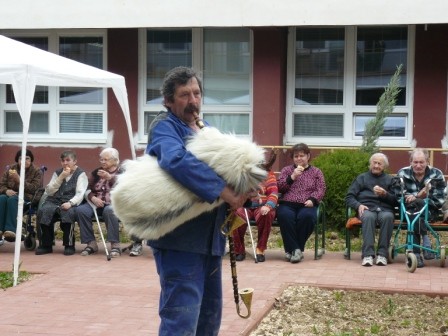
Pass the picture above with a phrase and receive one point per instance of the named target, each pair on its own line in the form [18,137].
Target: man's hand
[235,201]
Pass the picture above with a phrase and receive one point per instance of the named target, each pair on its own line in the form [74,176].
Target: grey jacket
[361,192]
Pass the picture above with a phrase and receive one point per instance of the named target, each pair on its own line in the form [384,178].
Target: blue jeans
[84,214]
[9,206]
[191,293]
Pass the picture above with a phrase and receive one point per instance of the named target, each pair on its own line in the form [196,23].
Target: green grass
[7,278]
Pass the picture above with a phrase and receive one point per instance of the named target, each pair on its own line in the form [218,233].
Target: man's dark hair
[177,76]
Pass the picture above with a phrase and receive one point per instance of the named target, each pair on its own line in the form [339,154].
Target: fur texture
[237,161]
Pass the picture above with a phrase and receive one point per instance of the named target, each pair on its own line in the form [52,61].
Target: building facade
[278,77]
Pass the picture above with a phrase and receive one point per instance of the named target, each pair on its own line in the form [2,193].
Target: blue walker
[406,223]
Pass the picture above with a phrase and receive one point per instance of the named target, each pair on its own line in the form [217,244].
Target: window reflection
[165,49]
[319,78]
[394,126]
[87,50]
[380,50]
[227,66]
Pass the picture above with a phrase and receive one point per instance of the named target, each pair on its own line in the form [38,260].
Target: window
[336,77]
[72,114]
[223,59]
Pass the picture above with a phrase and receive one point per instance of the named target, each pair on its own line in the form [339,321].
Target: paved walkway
[75,295]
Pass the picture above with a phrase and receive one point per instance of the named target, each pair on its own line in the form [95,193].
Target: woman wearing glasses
[101,182]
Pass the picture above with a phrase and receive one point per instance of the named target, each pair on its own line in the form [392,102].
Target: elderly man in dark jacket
[371,195]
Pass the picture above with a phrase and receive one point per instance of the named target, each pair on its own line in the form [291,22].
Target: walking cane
[251,237]
[101,231]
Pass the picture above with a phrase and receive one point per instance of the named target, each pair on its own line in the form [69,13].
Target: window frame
[197,50]
[348,109]
[54,107]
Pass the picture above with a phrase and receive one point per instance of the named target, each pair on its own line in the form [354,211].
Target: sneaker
[115,250]
[381,261]
[420,262]
[136,250]
[288,256]
[367,261]
[427,255]
[296,256]
[9,236]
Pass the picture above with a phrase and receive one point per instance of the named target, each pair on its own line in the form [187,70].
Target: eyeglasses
[105,160]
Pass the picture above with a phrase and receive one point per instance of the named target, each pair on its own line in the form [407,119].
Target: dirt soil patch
[303,311]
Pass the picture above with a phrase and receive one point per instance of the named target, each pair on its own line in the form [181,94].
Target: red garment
[264,224]
[267,195]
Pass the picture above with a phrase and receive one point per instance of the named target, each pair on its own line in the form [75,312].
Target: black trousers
[46,233]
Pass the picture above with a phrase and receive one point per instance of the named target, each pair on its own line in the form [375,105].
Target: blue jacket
[166,140]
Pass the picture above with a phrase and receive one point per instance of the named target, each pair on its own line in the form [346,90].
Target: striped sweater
[267,192]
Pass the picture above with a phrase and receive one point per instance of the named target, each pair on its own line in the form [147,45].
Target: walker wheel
[411,262]
[29,243]
[391,255]
[442,256]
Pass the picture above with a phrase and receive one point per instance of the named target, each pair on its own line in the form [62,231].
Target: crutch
[101,231]
[251,237]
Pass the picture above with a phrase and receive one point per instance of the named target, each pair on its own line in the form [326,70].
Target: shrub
[340,167]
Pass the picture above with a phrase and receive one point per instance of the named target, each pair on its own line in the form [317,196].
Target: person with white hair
[101,182]
[372,196]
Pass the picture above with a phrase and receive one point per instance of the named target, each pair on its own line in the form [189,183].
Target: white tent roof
[24,67]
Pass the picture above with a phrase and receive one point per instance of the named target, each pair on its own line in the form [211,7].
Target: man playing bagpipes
[188,259]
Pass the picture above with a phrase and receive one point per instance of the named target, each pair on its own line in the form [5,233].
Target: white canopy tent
[24,67]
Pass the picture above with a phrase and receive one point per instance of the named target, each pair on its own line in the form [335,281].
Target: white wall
[41,14]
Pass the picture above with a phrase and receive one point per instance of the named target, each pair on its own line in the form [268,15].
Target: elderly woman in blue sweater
[371,195]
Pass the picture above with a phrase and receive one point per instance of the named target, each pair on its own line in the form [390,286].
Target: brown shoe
[9,236]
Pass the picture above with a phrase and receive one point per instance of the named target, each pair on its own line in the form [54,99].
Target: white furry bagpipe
[150,203]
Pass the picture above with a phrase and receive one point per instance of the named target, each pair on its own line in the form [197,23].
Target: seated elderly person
[371,195]
[262,210]
[101,182]
[9,192]
[415,178]
[64,192]
[302,187]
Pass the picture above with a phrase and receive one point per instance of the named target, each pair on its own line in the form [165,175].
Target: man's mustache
[192,108]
